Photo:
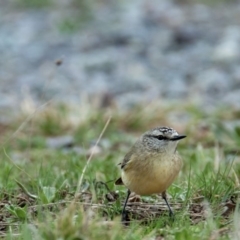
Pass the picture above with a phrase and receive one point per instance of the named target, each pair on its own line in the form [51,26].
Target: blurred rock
[185,35]
[60,142]
[228,48]
[231,99]
[134,52]
[94,150]
[212,82]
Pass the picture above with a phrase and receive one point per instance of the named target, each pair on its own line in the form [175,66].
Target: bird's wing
[124,165]
[126,159]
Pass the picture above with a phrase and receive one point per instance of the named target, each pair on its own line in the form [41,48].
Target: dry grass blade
[14,134]
[14,164]
[89,159]
[217,233]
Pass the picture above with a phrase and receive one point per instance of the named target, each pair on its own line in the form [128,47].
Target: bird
[151,165]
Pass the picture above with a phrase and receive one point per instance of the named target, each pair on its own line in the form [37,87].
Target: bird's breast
[153,175]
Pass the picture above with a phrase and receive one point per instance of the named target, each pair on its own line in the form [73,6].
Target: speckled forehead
[164,131]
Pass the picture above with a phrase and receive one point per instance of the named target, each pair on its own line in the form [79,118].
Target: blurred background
[71,70]
[121,53]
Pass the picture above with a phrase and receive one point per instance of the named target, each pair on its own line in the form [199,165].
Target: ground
[67,191]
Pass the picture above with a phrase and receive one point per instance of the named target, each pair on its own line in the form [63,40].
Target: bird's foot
[125,218]
[171,216]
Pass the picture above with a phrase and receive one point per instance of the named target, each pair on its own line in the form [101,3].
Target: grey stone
[127,52]
[60,142]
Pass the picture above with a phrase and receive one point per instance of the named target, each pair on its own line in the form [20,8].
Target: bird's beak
[178,137]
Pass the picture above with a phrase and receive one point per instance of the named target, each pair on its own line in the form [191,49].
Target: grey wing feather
[126,159]
[123,164]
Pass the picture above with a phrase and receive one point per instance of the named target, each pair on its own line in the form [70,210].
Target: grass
[45,195]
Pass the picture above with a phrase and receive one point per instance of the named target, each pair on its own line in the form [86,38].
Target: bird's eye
[160,137]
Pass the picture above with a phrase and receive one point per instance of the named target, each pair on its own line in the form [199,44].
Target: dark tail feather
[119,182]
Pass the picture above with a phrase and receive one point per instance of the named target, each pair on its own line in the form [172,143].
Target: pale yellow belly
[152,178]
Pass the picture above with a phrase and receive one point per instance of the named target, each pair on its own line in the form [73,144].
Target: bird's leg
[124,213]
[164,196]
